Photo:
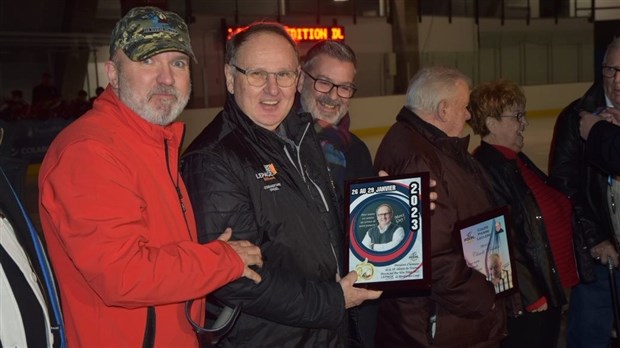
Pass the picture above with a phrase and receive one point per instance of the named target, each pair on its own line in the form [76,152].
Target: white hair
[431,85]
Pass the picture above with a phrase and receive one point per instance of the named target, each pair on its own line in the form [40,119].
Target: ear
[112,72]
[230,78]
[300,81]
[490,122]
[442,110]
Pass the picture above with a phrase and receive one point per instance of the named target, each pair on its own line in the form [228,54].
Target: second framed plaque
[487,249]
[388,232]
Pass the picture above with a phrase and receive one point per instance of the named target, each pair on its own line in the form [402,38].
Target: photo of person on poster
[387,234]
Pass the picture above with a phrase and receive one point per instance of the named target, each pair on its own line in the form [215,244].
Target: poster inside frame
[396,257]
[486,248]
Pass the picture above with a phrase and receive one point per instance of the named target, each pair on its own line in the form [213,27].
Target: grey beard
[148,113]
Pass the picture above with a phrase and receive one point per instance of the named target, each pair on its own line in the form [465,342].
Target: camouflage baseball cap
[147,31]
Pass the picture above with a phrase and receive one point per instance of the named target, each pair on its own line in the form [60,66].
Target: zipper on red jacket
[177,188]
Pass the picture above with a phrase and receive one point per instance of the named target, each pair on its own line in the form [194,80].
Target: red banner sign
[304,34]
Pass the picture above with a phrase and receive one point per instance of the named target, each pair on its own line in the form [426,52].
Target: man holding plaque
[259,169]
[460,309]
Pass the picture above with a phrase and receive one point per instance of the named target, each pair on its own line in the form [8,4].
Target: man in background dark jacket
[596,220]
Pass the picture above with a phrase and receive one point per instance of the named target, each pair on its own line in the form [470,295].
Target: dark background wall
[53,36]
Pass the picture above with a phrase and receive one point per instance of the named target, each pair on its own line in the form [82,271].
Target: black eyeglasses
[609,71]
[324,86]
[258,77]
[520,116]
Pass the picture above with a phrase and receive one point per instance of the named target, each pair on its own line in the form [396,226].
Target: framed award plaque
[387,232]
[486,248]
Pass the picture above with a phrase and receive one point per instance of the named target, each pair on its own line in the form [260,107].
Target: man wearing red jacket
[117,221]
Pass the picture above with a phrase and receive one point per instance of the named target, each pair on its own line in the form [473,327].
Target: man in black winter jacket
[259,168]
[596,221]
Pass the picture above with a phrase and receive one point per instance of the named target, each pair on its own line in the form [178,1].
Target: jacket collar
[593,98]
[504,151]
[294,124]
[150,132]
[497,155]
[434,135]
[297,121]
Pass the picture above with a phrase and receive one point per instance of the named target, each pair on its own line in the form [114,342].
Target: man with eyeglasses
[329,84]
[330,68]
[386,234]
[594,194]
[259,169]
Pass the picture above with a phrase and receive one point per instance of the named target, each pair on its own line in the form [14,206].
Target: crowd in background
[46,104]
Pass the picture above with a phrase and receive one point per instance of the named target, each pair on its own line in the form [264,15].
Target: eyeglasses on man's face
[609,71]
[258,77]
[520,116]
[384,214]
[324,86]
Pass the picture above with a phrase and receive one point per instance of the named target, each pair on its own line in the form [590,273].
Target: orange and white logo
[269,173]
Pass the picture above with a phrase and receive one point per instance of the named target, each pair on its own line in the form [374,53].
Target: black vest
[377,237]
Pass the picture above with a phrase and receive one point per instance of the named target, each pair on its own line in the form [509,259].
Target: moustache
[163,90]
[325,99]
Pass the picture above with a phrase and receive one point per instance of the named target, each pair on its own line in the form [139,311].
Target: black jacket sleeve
[359,161]
[220,199]
[603,147]
[569,173]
